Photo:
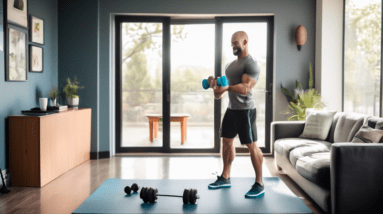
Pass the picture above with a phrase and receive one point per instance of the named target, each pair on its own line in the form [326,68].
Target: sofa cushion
[374,122]
[303,151]
[347,126]
[330,137]
[285,145]
[367,134]
[315,168]
[318,124]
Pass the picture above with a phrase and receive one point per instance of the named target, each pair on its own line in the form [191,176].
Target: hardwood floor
[70,190]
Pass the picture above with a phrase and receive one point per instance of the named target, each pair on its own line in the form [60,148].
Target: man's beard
[236,53]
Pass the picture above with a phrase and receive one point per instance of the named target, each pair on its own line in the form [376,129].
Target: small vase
[73,102]
[53,102]
[43,104]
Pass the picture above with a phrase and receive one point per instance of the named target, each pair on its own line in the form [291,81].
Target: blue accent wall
[17,96]
[78,53]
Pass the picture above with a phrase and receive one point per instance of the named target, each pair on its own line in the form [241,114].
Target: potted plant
[53,95]
[70,90]
[301,100]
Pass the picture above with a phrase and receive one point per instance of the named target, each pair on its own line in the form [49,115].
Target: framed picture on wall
[36,31]
[17,11]
[16,54]
[1,30]
[36,56]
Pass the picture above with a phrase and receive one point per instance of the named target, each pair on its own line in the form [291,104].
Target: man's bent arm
[243,88]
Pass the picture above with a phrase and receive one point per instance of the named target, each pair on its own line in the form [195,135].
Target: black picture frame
[8,72]
[2,24]
[32,48]
[16,17]
[32,34]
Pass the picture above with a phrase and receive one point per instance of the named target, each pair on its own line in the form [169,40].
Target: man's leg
[228,153]
[257,160]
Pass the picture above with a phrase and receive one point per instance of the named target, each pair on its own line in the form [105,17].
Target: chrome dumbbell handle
[175,196]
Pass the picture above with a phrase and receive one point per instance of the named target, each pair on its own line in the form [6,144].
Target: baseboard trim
[99,155]
[93,155]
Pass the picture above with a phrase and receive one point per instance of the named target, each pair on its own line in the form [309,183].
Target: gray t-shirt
[234,72]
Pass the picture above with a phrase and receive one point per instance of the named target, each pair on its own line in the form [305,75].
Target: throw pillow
[379,124]
[367,134]
[318,124]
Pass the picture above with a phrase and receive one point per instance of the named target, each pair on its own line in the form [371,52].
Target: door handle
[270,92]
[168,91]
[270,89]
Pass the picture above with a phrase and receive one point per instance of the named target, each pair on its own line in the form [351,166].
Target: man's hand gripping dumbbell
[212,82]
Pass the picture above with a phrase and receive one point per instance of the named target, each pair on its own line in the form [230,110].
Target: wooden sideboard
[41,148]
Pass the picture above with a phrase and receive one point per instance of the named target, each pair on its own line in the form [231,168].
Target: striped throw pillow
[367,134]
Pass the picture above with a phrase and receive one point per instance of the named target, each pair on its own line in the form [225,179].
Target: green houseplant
[53,95]
[71,90]
[300,99]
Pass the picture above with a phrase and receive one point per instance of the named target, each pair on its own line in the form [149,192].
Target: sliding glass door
[160,64]
[257,45]
[192,60]
[260,32]
[362,57]
[141,76]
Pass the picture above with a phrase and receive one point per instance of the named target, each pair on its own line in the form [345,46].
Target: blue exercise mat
[111,198]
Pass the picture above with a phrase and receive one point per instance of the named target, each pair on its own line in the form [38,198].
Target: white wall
[328,52]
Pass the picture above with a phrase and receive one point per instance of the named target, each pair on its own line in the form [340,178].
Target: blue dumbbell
[221,81]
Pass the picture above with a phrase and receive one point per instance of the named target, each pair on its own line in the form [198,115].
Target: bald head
[241,35]
[239,43]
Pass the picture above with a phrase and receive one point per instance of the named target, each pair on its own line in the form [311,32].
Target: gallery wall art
[16,56]
[1,28]
[36,30]
[36,59]
[18,12]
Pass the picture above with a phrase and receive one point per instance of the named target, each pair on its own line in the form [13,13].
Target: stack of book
[60,108]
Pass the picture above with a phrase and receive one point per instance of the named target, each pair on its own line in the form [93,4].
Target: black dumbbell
[129,189]
[149,194]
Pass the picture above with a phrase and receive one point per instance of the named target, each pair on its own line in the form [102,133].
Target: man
[240,115]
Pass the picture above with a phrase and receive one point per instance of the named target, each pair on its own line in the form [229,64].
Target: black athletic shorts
[241,122]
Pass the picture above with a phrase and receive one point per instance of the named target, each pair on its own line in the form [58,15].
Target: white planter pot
[73,101]
[53,102]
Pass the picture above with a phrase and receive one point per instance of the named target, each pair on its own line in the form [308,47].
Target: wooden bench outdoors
[155,118]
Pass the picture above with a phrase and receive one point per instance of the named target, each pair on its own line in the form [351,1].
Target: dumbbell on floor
[129,189]
[221,81]
[149,194]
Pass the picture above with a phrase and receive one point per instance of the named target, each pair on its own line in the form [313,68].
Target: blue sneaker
[221,182]
[256,191]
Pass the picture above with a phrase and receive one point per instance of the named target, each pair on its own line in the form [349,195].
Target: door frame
[165,76]
[166,71]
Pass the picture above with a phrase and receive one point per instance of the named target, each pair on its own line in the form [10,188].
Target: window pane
[257,45]
[192,60]
[362,56]
[141,83]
